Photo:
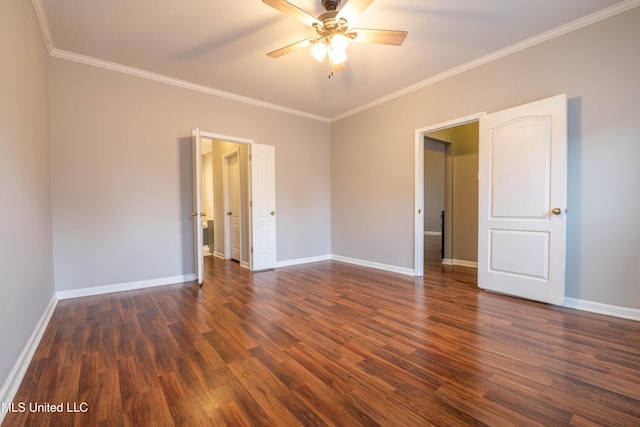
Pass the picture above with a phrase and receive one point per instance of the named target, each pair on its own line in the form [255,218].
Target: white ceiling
[222,44]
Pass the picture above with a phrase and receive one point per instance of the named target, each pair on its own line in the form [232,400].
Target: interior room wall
[465,192]
[26,259]
[433,184]
[372,154]
[140,221]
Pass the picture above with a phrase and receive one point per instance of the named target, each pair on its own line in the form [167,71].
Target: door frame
[196,213]
[249,143]
[418,248]
[226,195]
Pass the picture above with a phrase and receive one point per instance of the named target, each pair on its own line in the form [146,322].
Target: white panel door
[235,196]
[522,200]
[263,218]
[197,206]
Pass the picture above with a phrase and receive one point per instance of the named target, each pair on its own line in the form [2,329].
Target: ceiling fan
[333,31]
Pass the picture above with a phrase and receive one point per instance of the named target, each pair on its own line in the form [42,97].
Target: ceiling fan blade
[292,47]
[293,11]
[353,8]
[366,35]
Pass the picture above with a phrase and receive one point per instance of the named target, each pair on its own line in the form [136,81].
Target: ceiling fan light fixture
[337,56]
[339,42]
[319,50]
[333,32]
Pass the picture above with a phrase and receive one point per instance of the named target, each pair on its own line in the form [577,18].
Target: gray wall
[25,195]
[121,171]
[597,67]
[434,194]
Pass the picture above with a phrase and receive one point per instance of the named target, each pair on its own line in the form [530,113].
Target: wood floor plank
[476,406]
[330,343]
[187,405]
[150,410]
[267,391]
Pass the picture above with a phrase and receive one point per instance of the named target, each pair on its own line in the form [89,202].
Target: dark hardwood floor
[330,343]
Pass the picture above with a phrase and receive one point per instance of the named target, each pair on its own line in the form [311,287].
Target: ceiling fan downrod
[330,5]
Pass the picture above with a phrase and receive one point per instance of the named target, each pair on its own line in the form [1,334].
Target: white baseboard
[597,307]
[299,261]
[218,254]
[433,233]
[370,264]
[245,264]
[460,262]
[11,385]
[363,263]
[98,290]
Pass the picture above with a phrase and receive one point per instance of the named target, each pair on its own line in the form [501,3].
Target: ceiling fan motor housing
[330,5]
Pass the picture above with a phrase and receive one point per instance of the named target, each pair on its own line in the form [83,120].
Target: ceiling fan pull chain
[330,67]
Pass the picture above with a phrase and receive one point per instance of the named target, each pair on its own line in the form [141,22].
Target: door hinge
[250,203]
[251,249]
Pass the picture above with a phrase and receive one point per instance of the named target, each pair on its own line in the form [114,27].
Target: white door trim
[197,205]
[228,138]
[418,261]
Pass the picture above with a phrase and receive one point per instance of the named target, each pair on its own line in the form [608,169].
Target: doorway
[221,175]
[522,161]
[461,191]
[437,180]
[229,232]
[257,217]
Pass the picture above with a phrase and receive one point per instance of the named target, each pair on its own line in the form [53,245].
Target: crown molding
[88,60]
[540,38]
[44,24]
[63,54]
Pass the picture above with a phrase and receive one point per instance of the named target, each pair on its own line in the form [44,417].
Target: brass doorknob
[556,211]
[203,214]
[273,212]
[229,213]
[193,214]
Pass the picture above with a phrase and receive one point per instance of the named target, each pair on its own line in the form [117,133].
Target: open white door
[522,200]
[197,206]
[263,219]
